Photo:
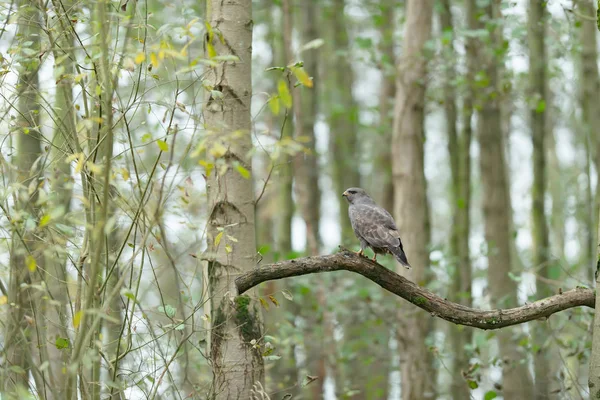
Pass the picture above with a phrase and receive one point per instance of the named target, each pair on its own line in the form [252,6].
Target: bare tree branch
[423,298]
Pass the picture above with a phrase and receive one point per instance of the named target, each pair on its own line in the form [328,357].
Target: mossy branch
[439,307]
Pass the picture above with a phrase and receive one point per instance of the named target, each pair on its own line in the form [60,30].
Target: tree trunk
[590,107]
[343,121]
[594,371]
[236,328]
[23,327]
[62,183]
[411,207]
[305,163]
[460,166]
[538,102]
[382,186]
[497,215]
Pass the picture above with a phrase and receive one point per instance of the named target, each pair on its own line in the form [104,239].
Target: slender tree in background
[411,208]
[497,215]
[383,185]
[460,167]
[343,114]
[306,168]
[283,376]
[538,101]
[62,146]
[237,364]
[21,335]
[589,81]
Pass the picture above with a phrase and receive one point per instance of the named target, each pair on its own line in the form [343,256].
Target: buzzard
[374,226]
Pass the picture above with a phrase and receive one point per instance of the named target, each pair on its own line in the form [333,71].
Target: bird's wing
[375,225]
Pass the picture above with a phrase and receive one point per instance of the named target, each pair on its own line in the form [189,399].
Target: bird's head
[356,195]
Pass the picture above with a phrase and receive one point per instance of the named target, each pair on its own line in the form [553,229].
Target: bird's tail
[400,256]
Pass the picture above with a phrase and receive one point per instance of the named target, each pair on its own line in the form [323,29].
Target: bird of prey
[374,226]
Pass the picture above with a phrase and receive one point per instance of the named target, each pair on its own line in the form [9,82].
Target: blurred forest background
[131,131]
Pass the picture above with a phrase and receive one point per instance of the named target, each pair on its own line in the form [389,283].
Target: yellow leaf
[77,318]
[125,174]
[162,145]
[45,220]
[284,93]
[274,300]
[302,76]
[140,57]
[263,303]
[228,248]
[208,167]
[153,60]
[218,150]
[274,105]
[218,239]
[3,300]
[80,163]
[212,53]
[31,264]
[243,171]
[94,168]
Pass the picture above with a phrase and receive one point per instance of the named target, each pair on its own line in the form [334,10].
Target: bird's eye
[352,191]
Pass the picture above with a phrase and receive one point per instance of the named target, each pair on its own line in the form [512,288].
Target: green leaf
[31,264]
[284,93]
[162,145]
[274,105]
[541,106]
[243,171]
[218,238]
[210,50]
[128,293]
[473,385]
[490,395]
[45,220]
[168,309]
[514,277]
[62,343]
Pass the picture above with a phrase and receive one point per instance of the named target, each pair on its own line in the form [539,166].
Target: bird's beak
[345,194]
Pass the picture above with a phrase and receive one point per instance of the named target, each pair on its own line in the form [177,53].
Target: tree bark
[594,371]
[538,102]
[236,334]
[306,166]
[382,186]
[590,107]
[411,208]
[401,286]
[22,332]
[343,120]
[497,215]
[460,166]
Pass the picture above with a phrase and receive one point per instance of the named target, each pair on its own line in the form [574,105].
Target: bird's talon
[360,253]
[374,259]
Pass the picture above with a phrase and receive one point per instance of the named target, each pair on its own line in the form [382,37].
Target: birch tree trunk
[411,208]
[236,332]
[497,214]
